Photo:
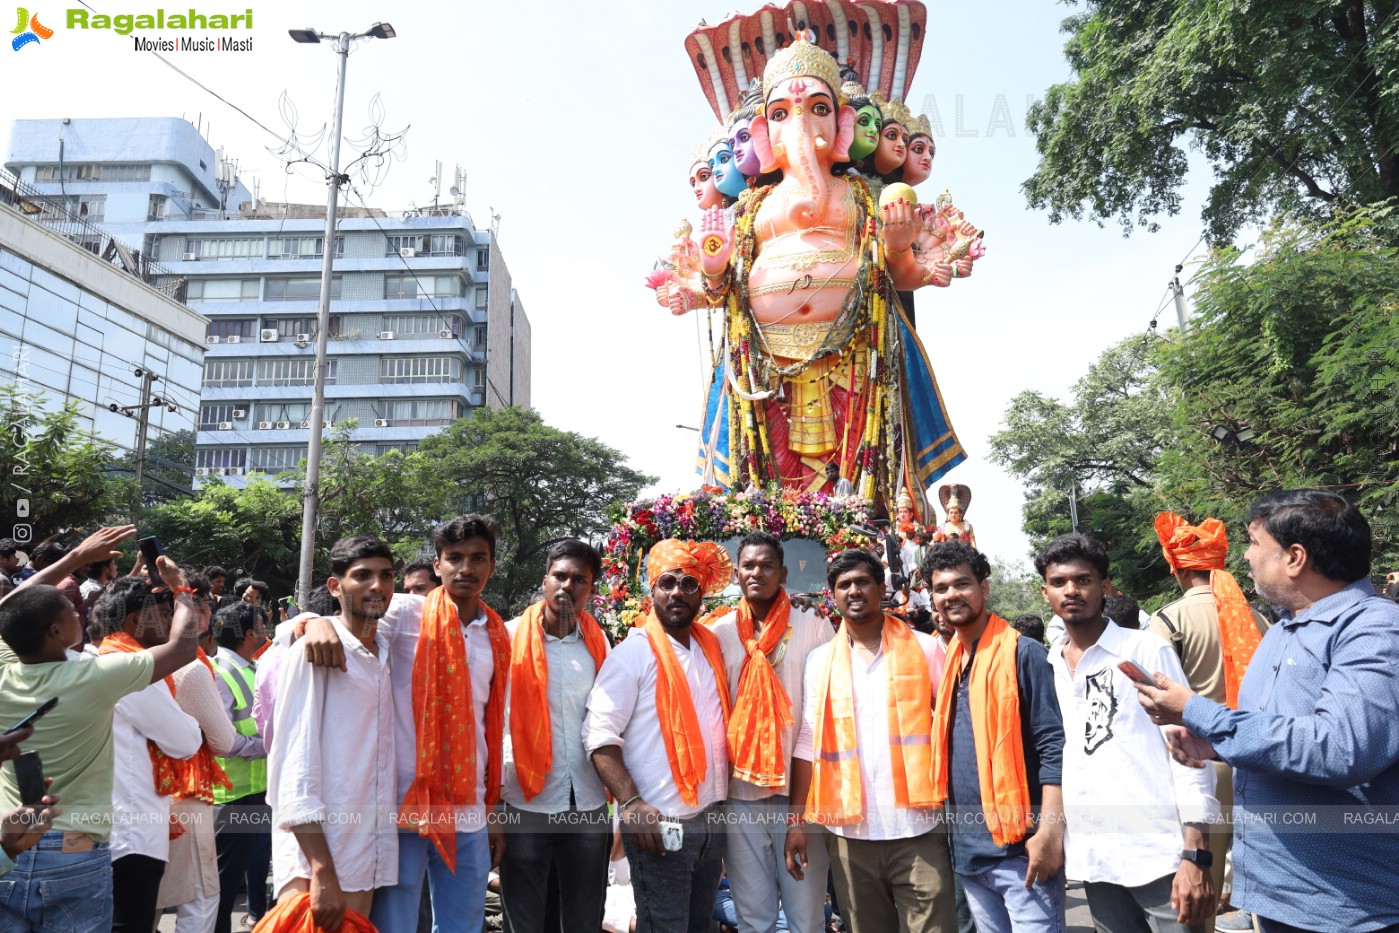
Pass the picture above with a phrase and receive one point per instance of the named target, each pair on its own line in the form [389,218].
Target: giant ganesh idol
[815,361]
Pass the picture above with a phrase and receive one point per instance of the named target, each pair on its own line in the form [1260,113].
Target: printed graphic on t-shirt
[1102,707]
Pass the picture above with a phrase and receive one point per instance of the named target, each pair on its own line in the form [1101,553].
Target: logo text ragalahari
[191,19]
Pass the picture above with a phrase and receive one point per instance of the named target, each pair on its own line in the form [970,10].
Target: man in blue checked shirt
[1314,743]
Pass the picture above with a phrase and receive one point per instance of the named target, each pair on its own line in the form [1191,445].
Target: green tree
[539,482]
[57,468]
[1015,590]
[1294,103]
[1103,446]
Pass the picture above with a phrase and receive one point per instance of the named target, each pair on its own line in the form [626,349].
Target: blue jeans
[54,891]
[1000,902]
[675,891]
[458,900]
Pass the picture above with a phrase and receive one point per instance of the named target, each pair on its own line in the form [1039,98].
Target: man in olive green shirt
[74,741]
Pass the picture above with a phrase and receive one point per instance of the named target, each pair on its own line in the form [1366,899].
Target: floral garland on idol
[711,514]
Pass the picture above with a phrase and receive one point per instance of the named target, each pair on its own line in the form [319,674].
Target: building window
[481,297]
[223,247]
[422,325]
[277,412]
[289,327]
[300,288]
[228,373]
[94,172]
[303,247]
[291,372]
[420,413]
[442,244]
[155,210]
[416,286]
[478,377]
[208,458]
[483,260]
[395,370]
[232,327]
[478,336]
[89,207]
[403,447]
[221,290]
[211,415]
[277,459]
[396,244]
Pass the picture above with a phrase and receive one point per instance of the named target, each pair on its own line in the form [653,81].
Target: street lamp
[311,498]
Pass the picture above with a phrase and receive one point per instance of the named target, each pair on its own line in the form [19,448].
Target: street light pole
[310,504]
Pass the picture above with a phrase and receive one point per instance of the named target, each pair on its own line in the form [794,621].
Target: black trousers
[238,828]
[135,886]
[576,844]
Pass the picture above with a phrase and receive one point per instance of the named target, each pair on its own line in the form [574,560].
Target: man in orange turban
[656,731]
[1214,631]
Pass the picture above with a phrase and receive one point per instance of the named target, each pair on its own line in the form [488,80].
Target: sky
[575,121]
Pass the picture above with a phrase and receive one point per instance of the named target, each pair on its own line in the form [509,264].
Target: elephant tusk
[821,141]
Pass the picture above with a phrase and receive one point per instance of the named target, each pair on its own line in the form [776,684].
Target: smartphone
[1136,673]
[672,835]
[34,716]
[150,550]
[30,774]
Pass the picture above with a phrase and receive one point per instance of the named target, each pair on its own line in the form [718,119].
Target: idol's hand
[716,244]
[937,273]
[901,227]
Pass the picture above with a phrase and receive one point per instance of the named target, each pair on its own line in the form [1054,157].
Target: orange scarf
[762,707]
[530,735]
[993,693]
[837,792]
[675,708]
[1187,547]
[192,778]
[293,915]
[445,775]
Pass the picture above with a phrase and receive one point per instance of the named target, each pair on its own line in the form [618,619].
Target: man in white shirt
[1136,819]
[768,631]
[331,763]
[862,765]
[137,617]
[656,731]
[555,804]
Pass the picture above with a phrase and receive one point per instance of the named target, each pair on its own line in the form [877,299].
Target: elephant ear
[845,133]
[762,144]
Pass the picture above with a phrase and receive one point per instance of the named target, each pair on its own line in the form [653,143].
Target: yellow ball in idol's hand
[896,192]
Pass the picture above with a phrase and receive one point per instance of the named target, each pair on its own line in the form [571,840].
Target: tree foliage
[1015,590]
[1294,103]
[57,468]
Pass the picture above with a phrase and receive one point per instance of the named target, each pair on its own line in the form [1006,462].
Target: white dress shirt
[1125,798]
[571,675]
[332,762]
[807,633]
[402,625]
[140,816]
[622,712]
[883,819]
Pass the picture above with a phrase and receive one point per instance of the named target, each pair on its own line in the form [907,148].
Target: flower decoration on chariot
[802,59]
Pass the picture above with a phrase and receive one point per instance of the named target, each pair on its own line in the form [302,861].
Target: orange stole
[444,777]
[837,792]
[762,707]
[530,725]
[293,915]
[993,693]
[675,708]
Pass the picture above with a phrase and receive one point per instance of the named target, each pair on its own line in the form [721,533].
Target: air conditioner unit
[264,425]
[385,335]
[225,425]
[235,339]
[211,339]
[407,252]
[327,423]
[268,335]
[283,425]
[445,334]
[201,471]
[303,338]
[234,471]
[306,423]
[239,414]
[381,422]
[191,257]
[216,471]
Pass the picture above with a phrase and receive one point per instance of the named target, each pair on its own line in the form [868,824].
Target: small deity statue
[905,519]
[955,499]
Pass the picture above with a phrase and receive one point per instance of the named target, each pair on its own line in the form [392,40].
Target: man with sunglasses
[656,732]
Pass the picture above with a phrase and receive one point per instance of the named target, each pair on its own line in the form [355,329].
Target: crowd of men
[391,748]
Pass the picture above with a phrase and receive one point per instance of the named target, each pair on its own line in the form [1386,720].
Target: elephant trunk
[808,167]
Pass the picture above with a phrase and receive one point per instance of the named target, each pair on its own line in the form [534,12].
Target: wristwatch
[1203,858]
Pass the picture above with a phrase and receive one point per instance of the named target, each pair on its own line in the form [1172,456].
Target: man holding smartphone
[656,731]
[70,865]
[25,825]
